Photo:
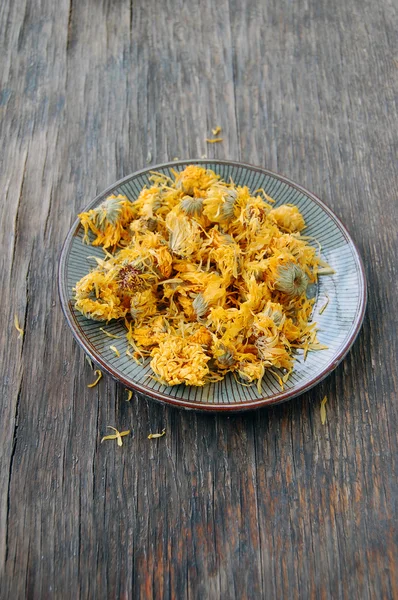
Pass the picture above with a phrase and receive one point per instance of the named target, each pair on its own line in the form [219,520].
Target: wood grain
[264,505]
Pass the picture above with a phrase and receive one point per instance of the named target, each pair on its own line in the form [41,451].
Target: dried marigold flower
[288,218]
[200,306]
[129,278]
[177,360]
[291,280]
[227,358]
[192,206]
[109,221]
[207,276]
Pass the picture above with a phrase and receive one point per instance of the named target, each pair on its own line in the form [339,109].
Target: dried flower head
[152,224]
[176,360]
[192,207]
[274,312]
[226,359]
[184,234]
[227,208]
[108,222]
[108,212]
[288,218]
[291,280]
[194,177]
[200,306]
[129,278]
[264,345]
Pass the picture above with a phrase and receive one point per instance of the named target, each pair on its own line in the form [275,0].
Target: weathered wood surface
[269,504]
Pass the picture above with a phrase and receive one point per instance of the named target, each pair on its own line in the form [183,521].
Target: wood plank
[264,505]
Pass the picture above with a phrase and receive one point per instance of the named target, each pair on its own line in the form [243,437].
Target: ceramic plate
[338,325]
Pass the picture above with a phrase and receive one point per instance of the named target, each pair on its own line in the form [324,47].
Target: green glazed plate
[338,325]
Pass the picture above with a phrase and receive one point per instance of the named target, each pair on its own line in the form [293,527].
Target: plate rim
[164,398]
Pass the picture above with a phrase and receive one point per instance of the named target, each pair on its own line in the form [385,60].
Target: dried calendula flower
[287,218]
[97,296]
[291,280]
[274,312]
[176,360]
[99,375]
[153,436]
[200,306]
[323,410]
[116,436]
[184,234]
[17,327]
[192,206]
[220,204]
[225,356]
[108,212]
[129,278]
[109,221]
[206,276]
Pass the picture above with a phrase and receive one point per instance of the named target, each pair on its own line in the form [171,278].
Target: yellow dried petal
[115,350]
[326,271]
[152,436]
[117,436]
[99,375]
[17,326]
[266,197]
[322,309]
[116,337]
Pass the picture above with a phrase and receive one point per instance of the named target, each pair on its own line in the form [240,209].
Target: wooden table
[268,504]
